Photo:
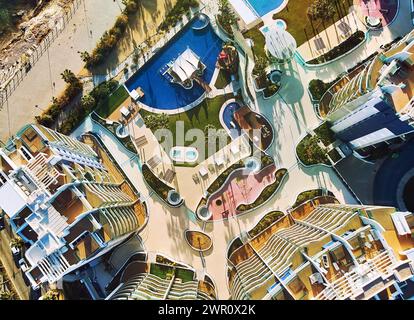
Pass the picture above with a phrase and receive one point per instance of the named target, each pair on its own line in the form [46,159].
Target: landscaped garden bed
[267,192]
[265,222]
[107,106]
[309,195]
[325,134]
[198,241]
[205,114]
[352,42]
[223,80]
[310,153]
[159,187]
[318,88]
[298,21]
[127,142]
[175,15]
[219,182]
[226,17]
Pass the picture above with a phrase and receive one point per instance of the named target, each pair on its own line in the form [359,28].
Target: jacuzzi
[184,154]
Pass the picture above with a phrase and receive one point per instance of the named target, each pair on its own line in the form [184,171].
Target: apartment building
[163,280]
[66,200]
[324,250]
[373,107]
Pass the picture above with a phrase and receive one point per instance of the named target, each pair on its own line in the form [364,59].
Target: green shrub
[267,192]
[265,222]
[309,195]
[310,153]
[156,184]
[218,183]
[353,41]
[317,88]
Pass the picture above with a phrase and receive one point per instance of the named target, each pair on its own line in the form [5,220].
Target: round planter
[174,198]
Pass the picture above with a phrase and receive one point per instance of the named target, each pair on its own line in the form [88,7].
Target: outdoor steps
[56,223]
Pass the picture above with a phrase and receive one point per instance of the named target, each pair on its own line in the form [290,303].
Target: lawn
[223,80]
[161,271]
[197,118]
[259,42]
[109,105]
[295,15]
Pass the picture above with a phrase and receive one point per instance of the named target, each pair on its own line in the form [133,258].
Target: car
[23,265]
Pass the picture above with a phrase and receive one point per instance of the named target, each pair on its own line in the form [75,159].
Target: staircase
[55,222]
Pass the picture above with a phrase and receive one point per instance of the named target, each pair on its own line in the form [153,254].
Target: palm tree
[88,102]
[69,77]
[51,295]
[322,10]
[226,16]
[17,242]
[85,56]
[156,121]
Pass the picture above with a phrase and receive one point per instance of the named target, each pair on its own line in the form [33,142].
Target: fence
[33,57]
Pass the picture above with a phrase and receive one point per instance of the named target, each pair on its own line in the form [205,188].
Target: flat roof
[244,11]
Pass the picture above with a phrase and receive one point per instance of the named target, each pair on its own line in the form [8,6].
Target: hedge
[266,193]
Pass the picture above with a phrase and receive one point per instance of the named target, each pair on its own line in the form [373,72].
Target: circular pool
[122,132]
[275,76]
[204,214]
[252,164]
[174,198]
[201,22]
[280,23]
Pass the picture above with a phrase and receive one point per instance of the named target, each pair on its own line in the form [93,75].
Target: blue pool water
[263,7]
[191,155]
[159,92]
[228,118]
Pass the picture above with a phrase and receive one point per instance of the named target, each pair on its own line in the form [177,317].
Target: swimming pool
[160,94]
[263,7]
[229,121]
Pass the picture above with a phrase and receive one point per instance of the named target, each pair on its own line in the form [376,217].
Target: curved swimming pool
[229,121]
[159,93]
[263,7]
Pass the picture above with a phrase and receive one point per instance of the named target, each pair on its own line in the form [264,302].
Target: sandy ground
[35,25]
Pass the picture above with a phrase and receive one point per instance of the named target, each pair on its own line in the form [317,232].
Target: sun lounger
[154,161]
[319,44]
[141,141]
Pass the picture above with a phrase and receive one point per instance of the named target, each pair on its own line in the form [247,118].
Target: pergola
[280,44]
